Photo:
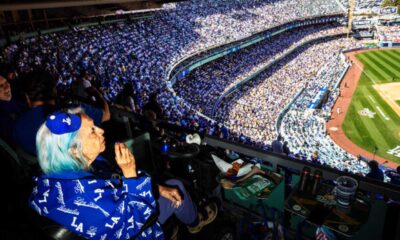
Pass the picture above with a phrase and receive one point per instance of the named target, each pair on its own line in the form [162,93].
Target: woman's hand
[125,160]
[171,194]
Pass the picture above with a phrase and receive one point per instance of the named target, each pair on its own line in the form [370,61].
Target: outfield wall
[389,44]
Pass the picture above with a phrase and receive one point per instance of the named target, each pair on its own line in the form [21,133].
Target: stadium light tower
[350,17]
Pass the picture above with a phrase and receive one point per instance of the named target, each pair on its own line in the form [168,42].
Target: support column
[15,16]
[29,11]
[3,20]
[45,18]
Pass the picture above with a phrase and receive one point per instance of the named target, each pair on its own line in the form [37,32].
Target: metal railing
[278,160]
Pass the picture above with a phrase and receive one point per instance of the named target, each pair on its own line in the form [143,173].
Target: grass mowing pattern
[379,67]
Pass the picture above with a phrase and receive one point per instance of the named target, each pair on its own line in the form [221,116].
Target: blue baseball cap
[61,122]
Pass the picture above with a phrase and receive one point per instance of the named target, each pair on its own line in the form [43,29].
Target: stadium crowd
[362,5]
[253,110]
[304,128]
[141,53]
[388,33]
[218,76]
[127,63]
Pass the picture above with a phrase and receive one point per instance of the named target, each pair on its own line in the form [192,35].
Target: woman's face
[5,90]
[93,142]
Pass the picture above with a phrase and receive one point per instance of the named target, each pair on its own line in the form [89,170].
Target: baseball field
[373,118]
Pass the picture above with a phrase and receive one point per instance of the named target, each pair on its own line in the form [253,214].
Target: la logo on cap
[61,122]
[67,121]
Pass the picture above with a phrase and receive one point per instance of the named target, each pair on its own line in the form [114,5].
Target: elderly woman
[71,192]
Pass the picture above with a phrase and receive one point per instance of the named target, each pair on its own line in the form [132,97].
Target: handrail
[278,160]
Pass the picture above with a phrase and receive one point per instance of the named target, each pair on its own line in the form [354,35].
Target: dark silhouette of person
[277,146]
[376,172]
[286,149]
[126,98]
[154,106]
[394,176]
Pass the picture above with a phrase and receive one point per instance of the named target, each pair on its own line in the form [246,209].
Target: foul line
[372,99]
[381,112]
[362,71]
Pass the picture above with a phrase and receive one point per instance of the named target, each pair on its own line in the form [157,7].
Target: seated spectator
[149,124]
[277,146]
[126,98]
[40,91]
[9,111]
[101,111]
[394,176]
[85,91]
[154,106]
[10,73]
[71,193]
[224,132]
[285,148]
[5,89]
[375,171]
[315,158]
[82,87]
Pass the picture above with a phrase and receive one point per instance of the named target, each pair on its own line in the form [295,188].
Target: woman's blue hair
[57,153]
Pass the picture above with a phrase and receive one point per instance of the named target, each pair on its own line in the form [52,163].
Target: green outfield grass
[383,130]
[398,102]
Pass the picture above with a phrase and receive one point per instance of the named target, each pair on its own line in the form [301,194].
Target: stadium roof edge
[63,4]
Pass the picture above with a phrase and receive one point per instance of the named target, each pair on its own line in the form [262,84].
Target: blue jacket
[394,177]
[277,146]
[97,208]
[376,174]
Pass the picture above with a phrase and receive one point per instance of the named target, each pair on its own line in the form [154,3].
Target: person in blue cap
[71,193]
